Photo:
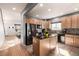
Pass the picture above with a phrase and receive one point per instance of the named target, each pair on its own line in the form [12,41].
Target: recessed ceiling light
[76,9]
[37,15]
[61,13]
[41,5]
[13,8]
[49,9]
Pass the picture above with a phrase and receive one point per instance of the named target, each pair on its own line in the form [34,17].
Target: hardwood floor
[13,47]
[10,37]
[17,50]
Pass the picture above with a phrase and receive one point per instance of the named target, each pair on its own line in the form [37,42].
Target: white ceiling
[8,6]
[10,15]
[57,9]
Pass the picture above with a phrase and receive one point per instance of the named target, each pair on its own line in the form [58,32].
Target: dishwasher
[62,39]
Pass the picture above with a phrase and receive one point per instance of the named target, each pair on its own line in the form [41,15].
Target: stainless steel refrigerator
[28,35]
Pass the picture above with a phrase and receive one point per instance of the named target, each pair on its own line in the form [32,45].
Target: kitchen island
[43,47]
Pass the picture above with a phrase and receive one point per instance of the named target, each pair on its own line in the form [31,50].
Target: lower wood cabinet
[76,41]
[69,39]
[72,40]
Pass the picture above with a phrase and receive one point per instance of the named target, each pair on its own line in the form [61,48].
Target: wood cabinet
[69,39]
[76,41]
[36,47]
[48,23]
[74,21]
[45,24]
[68,22]
[63,21]
[72,40]
[71,21]
[33,21]
[78,21]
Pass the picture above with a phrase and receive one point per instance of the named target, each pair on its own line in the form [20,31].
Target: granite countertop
[51,36]
[72,34]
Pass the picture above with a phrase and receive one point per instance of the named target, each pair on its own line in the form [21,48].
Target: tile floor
[65,50]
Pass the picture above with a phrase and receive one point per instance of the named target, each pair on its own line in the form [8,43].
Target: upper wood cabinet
[74,21]
[33,21]
[71,21]
[68,22]
[77,20]
[63,21]
[45,24]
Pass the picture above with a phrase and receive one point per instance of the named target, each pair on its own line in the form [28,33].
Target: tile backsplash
[72,31]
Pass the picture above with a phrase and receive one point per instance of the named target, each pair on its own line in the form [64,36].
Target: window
[56,26]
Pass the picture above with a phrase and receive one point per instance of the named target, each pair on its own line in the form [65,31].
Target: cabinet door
[63,21]
[53,42]
[68,22]
[76,41]
[45,24]
[36,47]
[44,47]
[74,21]
[78,21]
[69,40]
